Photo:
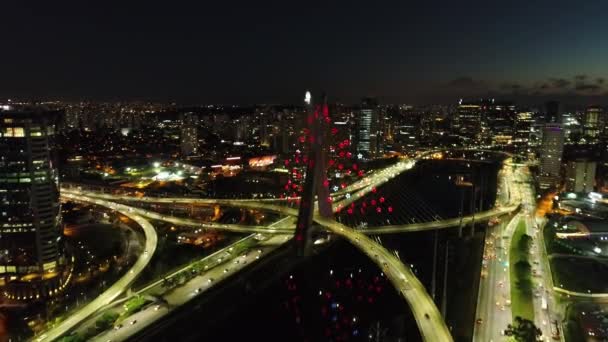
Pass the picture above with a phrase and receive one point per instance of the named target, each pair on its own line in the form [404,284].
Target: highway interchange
[428,318]
[119,286]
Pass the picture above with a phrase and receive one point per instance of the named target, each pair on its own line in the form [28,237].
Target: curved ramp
[119,286]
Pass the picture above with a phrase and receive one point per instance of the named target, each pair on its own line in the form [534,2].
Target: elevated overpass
[431,324]
[122,284]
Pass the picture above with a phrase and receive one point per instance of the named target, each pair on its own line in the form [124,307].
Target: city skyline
[281,171]
[419,54]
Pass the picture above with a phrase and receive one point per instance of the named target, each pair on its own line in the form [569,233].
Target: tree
[106,321]
[522,269]
[72,338]
[524,330]
[524,243]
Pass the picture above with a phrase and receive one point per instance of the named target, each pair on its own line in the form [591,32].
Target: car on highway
[133,321]
[479,321]
[225,270]
[210,280]
[156,308]
[118,326]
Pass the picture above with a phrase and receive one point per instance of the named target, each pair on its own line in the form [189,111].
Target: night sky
[271,51]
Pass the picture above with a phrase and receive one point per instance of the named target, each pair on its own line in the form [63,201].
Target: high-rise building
[551,152]
[580,176]
[32,256]
[523,127]
[468,122]
[189,134]
[552,114]
[500,119]
[591,123]
[367,129]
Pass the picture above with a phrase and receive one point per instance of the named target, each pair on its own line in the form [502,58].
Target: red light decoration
[374,189]
[381,199]
[373,202]
[379,210]
[390,209]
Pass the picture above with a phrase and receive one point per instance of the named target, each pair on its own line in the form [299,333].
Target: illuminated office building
[189,135]
[468,122]
[367,133]
[580,176]
[31,248]
[551,152]
[591,123]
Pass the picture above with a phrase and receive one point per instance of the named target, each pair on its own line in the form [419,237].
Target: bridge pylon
[316,175]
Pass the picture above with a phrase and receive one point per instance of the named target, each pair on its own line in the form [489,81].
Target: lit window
[15,132]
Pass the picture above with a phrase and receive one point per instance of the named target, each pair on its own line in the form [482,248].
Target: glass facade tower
[31,248]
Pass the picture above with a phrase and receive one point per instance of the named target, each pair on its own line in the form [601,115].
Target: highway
[493,312]
[119,286]
[430,323]
[198,286]
[495,288]
[432,328]
[392,229]
[375,179]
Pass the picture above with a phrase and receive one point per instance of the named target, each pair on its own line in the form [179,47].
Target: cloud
[511,86]
[580,77]
[465,82]
[559,83]
[578,88]
[587,87]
